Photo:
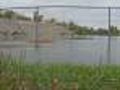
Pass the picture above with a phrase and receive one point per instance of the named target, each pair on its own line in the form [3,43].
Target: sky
[78,2]
[81,2]
[92,18]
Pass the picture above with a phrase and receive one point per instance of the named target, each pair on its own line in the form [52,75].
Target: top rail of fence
[61,6]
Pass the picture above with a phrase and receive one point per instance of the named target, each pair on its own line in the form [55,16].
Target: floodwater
[85,51]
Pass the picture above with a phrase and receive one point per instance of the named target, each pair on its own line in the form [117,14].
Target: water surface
[88,51]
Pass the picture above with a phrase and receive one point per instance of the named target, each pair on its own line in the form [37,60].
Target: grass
[17,75]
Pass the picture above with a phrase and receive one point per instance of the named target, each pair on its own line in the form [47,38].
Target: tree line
[71,26]
[9,14]
[84,30]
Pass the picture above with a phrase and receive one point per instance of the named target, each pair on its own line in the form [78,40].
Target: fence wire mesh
[59,34]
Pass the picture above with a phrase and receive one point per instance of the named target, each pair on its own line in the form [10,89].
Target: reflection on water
[83,51]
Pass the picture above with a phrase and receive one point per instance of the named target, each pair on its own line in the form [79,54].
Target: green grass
[15,74]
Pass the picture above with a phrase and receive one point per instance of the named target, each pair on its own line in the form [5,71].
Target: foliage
[38,18]
[84,30]
[53,20]
[9,14]
[40,76]
[21,17]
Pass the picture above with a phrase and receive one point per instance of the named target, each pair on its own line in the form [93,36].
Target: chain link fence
[60,34]
[53,28]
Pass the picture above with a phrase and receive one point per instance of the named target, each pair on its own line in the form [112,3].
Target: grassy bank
[16,75]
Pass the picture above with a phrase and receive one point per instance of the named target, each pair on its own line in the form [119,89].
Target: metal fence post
[36,14]
[109,37]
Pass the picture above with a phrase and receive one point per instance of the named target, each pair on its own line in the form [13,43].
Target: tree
[9,14]
[114,30]
[40,18]
[21,17]
[53,20]
[64,24]
[71,26]
[101,31]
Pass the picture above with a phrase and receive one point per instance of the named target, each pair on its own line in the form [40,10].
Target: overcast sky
[78,2]
[84,17]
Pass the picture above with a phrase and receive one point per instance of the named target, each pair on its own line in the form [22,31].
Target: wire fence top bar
[60,6]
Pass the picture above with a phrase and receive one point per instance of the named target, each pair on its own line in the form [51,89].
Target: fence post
[36,14]
[55,84]
[109,37]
